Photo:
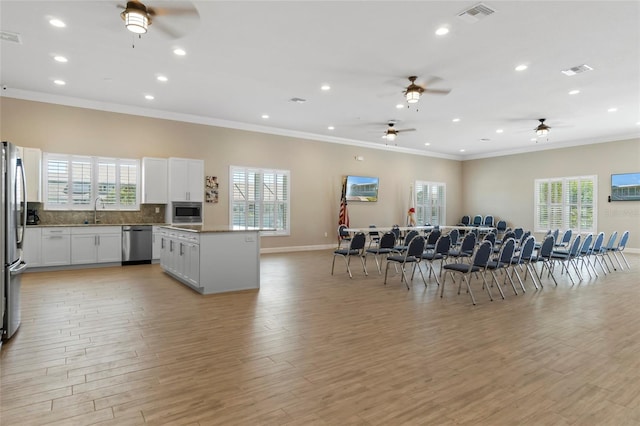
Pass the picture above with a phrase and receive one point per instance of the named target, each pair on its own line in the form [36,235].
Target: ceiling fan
[391,133]
[138,17]
[413,91]
[542,129]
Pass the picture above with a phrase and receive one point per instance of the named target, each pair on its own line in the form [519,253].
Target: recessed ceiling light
[149,97]
[265,116]
[462,150]
[427,144]
[162,78]
[638,123]
[325,87]
[456,120]
[60,82]
[521,67]
[331,128]
[59,58]
[179,52]
[499,131]
[400,106]
[57,23]
[442,31]
[574,92]
[613,109]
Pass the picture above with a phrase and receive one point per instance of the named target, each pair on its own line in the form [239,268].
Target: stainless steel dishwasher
[136,244]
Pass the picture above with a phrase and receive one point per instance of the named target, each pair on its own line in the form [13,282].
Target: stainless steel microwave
[186,212]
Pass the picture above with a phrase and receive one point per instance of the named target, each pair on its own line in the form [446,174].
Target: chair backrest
[466,220]
[443,245]
[483,254]
[586,244]
[506,251]
[612,241]
[575,246]
[395,229]
[342,231]
[409,236]
[518,232]
[433,236]
[508,234]
[358,241]
[491,237]
[488,220]
[416,246]
[373,233]
[527,248]
[547,246]
[501,226]
[566,237]
[597,244]
[477,220]
[524,237]
[623,240]
[468,242]
[387,241]
[454,235]
[555,233]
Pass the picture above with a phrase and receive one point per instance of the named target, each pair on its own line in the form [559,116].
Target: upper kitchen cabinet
[186,179]
[32,161]
[154,180]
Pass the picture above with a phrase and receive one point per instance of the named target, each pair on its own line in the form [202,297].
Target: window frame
[94,163]
[439,203]
[260,205]
[564,209]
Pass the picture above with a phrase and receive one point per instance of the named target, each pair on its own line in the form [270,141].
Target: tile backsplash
[146,214]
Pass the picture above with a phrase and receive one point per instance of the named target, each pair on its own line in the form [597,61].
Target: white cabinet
[180,255]
[186,179]
[32,162]
[56,246]
[154,180]
[32,252]
[96,244]
[156,243]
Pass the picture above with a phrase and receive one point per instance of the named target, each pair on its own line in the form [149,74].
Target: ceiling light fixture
[135,17]
[613,109]
[413,94]
[462,150]
[427,144]
[179,52]
[399,106]
[499,131]
[265,116]
[59,82]
[442,31]
[331,128]
[542,129]
[574,92]
[57,23]
[456,120]
[59,58]
[521,67]
[391,136]
[149,97]
[325,87]
[162,78]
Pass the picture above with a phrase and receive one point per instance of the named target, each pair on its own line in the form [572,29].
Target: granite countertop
[203,229]
[91,224]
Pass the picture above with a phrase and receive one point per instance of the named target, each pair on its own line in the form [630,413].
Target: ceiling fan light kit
[413,96]
[136,18]
[542,129]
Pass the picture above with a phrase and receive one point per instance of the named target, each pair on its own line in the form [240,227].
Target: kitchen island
[209,259]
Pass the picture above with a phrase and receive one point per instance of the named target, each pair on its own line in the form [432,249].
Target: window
[260,198]
[74,182]
[566,203]
[430,203]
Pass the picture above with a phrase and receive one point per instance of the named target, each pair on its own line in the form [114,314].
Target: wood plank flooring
[131,346]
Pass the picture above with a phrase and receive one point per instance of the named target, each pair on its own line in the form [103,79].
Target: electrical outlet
[326,235]
[157,209]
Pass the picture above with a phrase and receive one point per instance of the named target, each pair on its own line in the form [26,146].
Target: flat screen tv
[361,188]
[625,187]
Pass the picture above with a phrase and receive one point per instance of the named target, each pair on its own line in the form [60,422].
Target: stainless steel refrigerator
[12,224]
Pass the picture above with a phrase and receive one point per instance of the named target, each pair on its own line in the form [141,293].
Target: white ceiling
[245,59]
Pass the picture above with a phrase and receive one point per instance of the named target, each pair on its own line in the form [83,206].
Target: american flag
[343,218]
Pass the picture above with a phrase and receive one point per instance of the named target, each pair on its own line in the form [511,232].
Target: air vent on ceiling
[577,70]
[8,36]
[298,100]
[475,13]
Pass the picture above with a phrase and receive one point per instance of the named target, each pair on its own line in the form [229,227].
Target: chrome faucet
[95,209]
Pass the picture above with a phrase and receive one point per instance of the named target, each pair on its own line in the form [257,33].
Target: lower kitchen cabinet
[56,246]
[180,256]
[32,248]
[156,244]
[96,244]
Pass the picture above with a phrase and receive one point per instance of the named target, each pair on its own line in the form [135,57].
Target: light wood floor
[129,346]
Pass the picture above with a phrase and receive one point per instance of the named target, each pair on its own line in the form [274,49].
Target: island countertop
[204,229]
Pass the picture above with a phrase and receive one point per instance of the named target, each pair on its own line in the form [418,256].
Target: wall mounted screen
[361,188]
[625,187]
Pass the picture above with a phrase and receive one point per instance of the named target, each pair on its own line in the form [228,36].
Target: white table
[383,229]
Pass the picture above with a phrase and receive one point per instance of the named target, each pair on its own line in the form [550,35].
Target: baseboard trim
[298,248]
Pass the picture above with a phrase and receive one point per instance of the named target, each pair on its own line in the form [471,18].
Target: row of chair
[486,221]
[488,255]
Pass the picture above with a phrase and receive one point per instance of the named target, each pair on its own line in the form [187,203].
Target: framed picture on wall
[211,189]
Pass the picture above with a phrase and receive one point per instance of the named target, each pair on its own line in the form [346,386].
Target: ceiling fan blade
[438,91]
[173,11]
[405,130]
[168,30]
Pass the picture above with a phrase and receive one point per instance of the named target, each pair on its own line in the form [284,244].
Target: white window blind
[74,182]
[260,198]
[566,203]
[430,203]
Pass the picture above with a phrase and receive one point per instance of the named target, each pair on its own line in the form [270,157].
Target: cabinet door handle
[98,239]
[170,245]
[181,249]
[161,243]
